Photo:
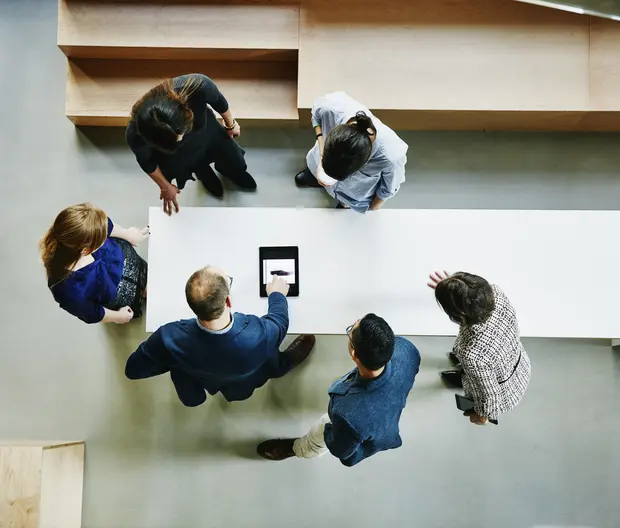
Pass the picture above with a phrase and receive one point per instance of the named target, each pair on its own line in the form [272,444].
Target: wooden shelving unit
[444,65]
[117,50]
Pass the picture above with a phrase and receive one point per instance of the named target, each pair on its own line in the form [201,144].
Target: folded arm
[341,438]
[391,178]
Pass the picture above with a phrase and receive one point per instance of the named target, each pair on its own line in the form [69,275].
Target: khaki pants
[312,445]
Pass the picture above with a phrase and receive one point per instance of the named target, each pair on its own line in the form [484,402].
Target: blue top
[234,362]
[86,291]
[364,413]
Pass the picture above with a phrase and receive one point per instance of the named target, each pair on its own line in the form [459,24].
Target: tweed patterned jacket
[496,367]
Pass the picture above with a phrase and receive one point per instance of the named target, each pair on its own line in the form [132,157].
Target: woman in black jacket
[175,134]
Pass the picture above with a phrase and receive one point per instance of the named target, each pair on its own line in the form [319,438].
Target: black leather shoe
[453,378]
[300,349]
[211,182]
[276,449]
[244,181]
[306,179]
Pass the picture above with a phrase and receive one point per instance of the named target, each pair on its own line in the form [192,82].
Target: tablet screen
[284,268]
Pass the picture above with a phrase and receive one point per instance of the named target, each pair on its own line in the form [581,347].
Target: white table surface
[557,267]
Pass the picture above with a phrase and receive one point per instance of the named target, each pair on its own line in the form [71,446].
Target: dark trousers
[228,156]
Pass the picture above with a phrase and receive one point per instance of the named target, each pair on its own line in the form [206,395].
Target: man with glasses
[220,351]
[365,405]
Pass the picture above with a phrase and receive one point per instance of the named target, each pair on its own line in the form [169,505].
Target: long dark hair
[75,229]
[162,114]
[467,299]
[348,147]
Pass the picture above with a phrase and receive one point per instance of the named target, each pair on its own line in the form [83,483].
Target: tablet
[281,261]
[463,403]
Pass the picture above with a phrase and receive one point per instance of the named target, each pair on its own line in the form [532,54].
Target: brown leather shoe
[300,349]
[277,449]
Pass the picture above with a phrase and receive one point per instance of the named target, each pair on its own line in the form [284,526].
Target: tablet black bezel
[283,252]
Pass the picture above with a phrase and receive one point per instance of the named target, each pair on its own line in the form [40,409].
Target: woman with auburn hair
[175,134]
[93,271]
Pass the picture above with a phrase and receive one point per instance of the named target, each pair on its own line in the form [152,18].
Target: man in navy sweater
[365,405]
[220,351]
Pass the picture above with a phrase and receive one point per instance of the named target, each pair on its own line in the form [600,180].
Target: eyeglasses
[231,283]
[349,330]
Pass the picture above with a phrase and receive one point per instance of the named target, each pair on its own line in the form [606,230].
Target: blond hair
[77,229]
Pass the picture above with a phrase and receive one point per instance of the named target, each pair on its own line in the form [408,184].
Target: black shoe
[453,378]
[340,206]
[276,449]
[211,182]
[306,179]
[453,359]
[244,181]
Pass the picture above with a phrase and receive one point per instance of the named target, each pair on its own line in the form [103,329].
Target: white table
[557,267]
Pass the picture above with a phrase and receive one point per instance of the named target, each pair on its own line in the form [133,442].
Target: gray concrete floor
[152,463]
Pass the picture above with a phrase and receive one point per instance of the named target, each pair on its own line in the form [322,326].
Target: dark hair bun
[363,123]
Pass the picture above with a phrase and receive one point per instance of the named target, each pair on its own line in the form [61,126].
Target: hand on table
[169,196]
[135,235]
[436,277]
[125,314]
[277,284]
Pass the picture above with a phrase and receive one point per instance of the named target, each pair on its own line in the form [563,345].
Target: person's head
[208,293]
[77,231]
[348,147]
[467,299]
[162,115]
[371,342]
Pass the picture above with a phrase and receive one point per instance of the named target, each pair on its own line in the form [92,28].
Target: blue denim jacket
[364,414]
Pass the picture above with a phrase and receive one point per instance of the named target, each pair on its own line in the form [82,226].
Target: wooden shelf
[446,55]
[463,64]
[604,64]
[41,484]
[101,92]
[207,30]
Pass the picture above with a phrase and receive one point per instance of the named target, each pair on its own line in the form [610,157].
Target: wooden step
[188,29]
[460,64]
[101,92]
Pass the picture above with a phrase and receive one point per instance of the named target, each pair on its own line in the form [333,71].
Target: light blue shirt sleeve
[391,178]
